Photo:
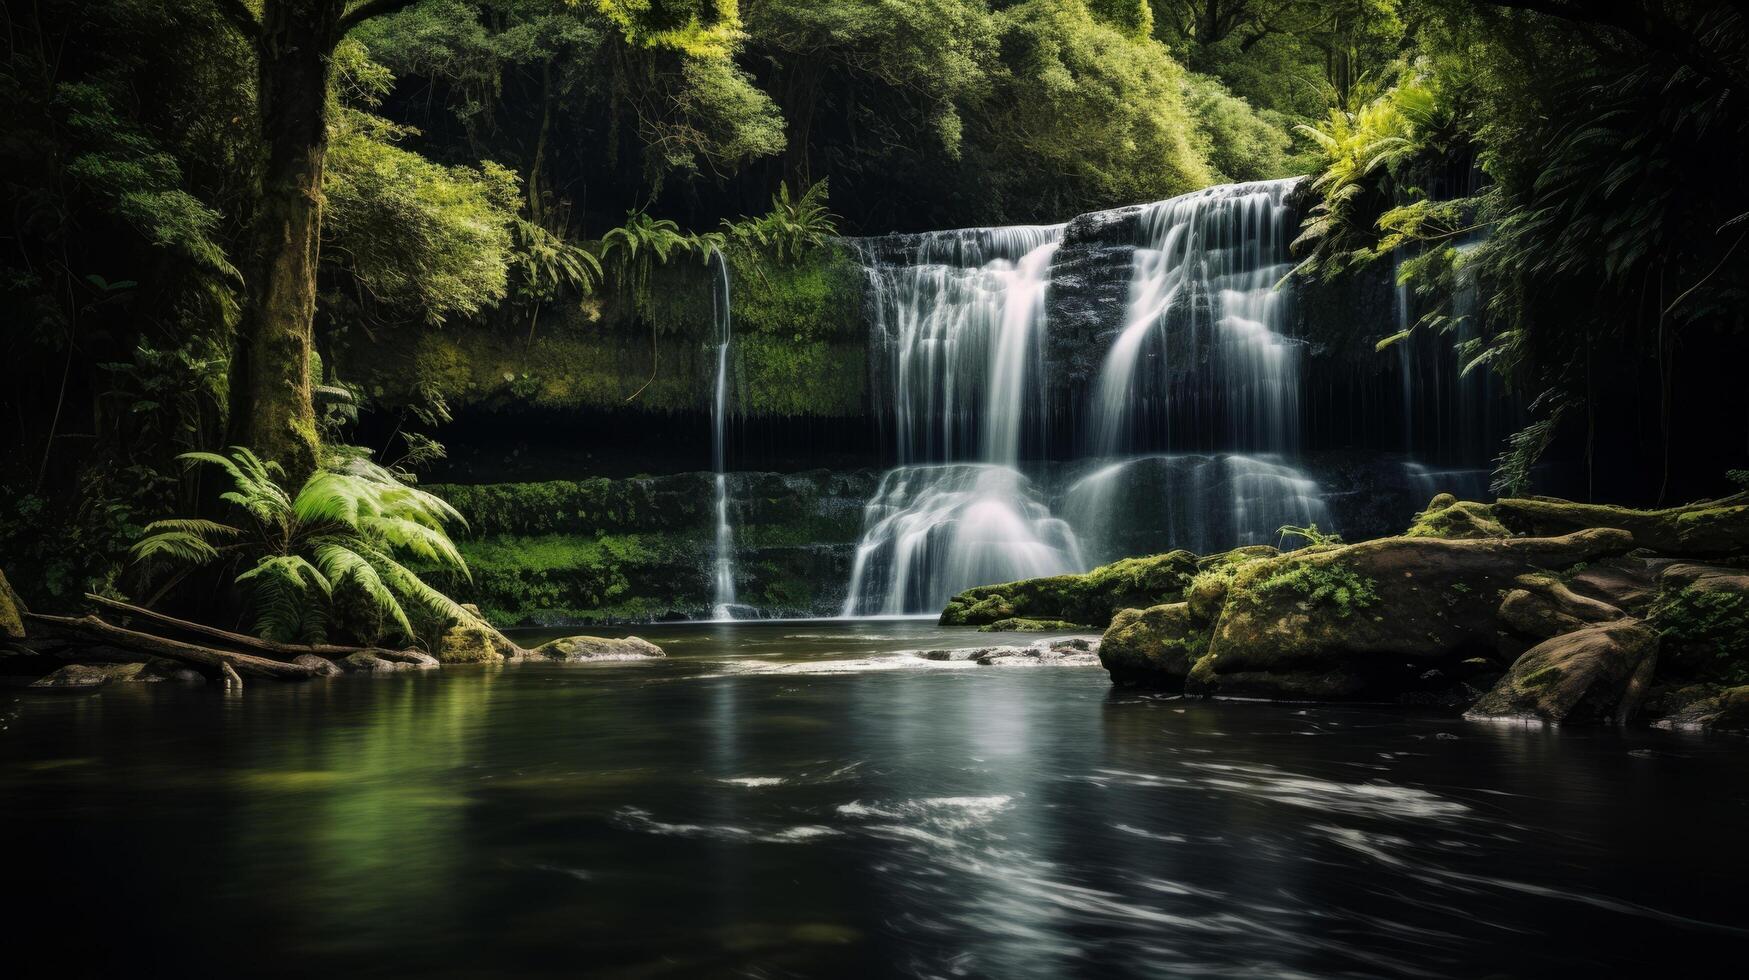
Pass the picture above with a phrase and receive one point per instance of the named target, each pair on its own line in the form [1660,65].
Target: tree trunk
[271,407]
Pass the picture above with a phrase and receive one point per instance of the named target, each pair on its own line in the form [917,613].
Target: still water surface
[804,800]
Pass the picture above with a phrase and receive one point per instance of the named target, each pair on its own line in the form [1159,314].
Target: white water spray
[724,558]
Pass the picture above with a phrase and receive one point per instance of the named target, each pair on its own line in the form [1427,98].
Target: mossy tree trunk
[272,410]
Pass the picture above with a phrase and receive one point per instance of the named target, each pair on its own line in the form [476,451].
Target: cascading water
[1202,360]
[957,329]
[723,561]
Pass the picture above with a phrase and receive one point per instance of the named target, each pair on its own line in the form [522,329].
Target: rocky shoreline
[1533,610]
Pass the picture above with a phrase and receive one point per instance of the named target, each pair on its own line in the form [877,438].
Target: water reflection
[686,818]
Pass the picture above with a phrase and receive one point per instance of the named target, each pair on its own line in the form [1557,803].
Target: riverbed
[812,799]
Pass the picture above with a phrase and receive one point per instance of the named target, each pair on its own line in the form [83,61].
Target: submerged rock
[592,649]
[1599,673]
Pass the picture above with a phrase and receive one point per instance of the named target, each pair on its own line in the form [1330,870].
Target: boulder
[1704,578]
[475,641]
[1600,673]
[322,666]
[593,649]
[1378,620]
[1155,646]
[1628,583]
[1542,607]
[1088,599]
[1027,626]
[1708,529]
[74,676]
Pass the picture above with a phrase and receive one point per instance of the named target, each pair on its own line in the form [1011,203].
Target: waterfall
[1205,311]
[1192,417]
[723,560]
[956,326]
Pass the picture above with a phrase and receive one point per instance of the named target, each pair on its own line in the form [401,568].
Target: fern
[338,536]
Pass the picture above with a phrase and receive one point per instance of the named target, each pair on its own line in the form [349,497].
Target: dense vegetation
[217,203]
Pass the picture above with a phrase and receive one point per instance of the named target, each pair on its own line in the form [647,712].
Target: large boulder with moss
[1380,620]
[1088,599]
[1600,673]
[11,611]
[1702,615]
[595,649]
[1154,647]
[1702,530]
[475,641]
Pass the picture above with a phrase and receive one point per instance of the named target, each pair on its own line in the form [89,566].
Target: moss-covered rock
[1599,673]
[1018,625]
[475,641]
[1376,620]
[1702,530]
[11,611]
[1154,647]
[587,649]
[1703,622]
[1448,517]
[1542,607]
[1088,599]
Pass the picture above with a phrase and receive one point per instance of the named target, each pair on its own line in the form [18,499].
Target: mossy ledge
[1468,608]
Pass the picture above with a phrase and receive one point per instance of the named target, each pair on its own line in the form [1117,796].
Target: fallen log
[272,648]
[208,659]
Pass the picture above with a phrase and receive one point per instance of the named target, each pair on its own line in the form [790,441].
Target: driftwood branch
[270,648]
[208,659]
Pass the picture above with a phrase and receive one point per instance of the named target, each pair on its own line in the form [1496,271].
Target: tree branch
[242,19]
[365,11]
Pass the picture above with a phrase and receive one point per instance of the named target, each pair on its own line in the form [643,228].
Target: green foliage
[430,239]
[1312,537]
[1239,143]
[791,228]
[1705,634]
[343,535]
[1329,583]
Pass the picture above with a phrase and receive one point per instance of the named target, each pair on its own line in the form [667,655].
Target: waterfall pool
[808,799]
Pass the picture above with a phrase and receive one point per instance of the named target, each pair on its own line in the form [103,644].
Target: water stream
[809,799]
[723,561]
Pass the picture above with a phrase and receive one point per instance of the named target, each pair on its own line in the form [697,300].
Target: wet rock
[1026,626]
[1089,599]
[475,641]
[1366,621]
[74,676]
[12,611]
[1600,673]
[1154,646]
[322,666]
[590,649]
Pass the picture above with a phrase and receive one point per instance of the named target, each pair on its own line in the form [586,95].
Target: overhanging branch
[365,11]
